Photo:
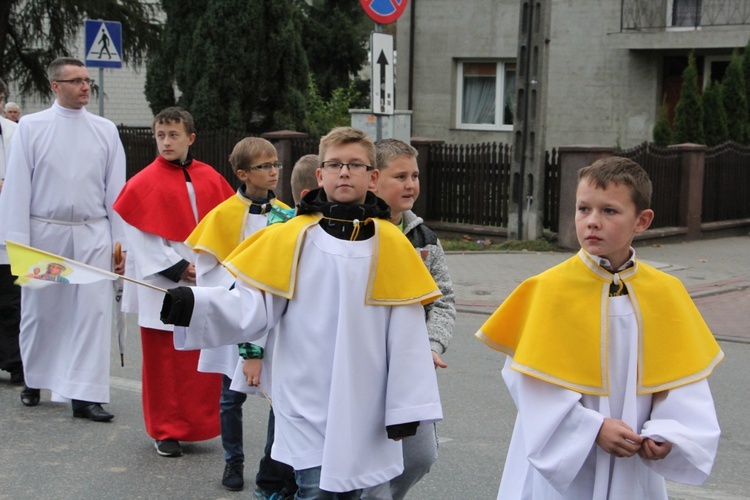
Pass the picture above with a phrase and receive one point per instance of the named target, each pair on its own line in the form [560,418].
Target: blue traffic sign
[103,44]
[383,11]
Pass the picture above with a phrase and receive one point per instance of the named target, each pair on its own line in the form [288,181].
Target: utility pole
[525,214]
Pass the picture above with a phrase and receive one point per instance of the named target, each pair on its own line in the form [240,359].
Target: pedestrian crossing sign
[103,44]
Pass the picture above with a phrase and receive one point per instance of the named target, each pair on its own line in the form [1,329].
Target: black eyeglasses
[266,167]
[336,166]
[78,81]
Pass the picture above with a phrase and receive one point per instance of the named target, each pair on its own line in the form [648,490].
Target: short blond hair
[388,150]
[347,135]
[622,171]
[303,175]
[247,152]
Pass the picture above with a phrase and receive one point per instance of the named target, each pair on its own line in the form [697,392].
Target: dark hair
[619,170]
[3,88]
[177,115]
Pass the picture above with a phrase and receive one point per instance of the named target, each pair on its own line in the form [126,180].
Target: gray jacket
[441,314]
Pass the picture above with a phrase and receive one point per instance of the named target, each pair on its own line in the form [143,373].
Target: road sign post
[381,48]
[382,95]
[103,50]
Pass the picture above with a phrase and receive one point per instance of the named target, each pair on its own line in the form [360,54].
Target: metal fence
[726,182]
[639,15]
[663,167]
[469,184]
[211,146]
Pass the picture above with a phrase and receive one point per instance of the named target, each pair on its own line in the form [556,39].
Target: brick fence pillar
[573,158]
[692,163]
[282,140]
[422,145]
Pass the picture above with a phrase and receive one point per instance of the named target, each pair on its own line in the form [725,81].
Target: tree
[714,115]
[323,115]
[662,130]
[746,72]
[34,33]
[236,63]
[688,116]
[336,33]
[735,100]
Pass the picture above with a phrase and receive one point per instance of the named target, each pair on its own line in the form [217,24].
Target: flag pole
[137,282]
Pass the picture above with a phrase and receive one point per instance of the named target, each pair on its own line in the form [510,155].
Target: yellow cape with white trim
[268,260]
[555,327]
[220,231]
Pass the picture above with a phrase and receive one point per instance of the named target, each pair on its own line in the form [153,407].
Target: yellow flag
[37,268]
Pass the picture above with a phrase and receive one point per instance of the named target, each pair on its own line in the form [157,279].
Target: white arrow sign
[381,50]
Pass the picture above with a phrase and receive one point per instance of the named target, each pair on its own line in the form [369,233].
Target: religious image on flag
[36,268]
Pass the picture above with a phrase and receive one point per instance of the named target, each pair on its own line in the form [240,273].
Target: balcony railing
[638,15]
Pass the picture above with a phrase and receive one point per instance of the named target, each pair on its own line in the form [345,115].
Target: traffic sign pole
[101,91]
[382,95]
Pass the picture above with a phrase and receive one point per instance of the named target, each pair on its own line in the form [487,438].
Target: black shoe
[16,376]
[29,396]
[168,448]
[232,479]
[93,412]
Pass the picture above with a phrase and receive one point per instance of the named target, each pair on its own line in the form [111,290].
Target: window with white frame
[485,97]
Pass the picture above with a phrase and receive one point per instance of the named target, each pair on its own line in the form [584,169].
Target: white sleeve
[152,253]
[412,391]
[686,417]
[558,431]
[208,271]
[223,317]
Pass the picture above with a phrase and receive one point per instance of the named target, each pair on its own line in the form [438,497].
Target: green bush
[662,129]
[735,100]
[714,115]
[688,116]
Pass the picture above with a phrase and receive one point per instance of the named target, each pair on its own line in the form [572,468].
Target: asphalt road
[45,453]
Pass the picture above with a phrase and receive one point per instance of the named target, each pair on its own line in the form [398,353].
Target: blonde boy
[161,205]
[398,186]
[608,358]
[352,363]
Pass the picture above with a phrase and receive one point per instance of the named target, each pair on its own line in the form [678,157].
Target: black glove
[397,431]
[177,308]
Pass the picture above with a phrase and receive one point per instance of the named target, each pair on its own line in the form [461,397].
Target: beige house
[600,69]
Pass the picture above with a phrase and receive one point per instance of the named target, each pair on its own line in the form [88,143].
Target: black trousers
[10,319]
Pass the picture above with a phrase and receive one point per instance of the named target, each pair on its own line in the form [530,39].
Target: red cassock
[179,402]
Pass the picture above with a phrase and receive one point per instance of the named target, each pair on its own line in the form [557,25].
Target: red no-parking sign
[384,11]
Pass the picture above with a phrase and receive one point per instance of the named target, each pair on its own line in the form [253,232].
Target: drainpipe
[413,21]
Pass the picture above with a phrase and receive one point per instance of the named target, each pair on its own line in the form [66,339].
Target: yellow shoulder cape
[220,231]
[268,260]
[555,326]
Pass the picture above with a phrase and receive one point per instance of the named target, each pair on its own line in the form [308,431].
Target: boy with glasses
[256,164]
[353,372]
[161,206]
[66,166]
